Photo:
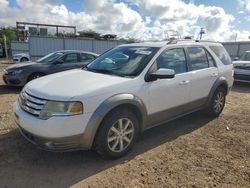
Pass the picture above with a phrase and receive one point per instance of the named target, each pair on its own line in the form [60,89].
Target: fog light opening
[50,145]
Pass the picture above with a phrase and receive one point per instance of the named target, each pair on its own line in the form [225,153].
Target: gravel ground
[194,151]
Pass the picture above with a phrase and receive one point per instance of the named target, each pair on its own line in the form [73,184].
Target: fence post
[93,45]
[5,46]
[64,43]
[238,50]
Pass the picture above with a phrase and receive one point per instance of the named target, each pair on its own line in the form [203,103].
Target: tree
[9,32]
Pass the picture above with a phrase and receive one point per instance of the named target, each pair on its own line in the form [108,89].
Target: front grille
[242,67]
[242,77]
[31,104]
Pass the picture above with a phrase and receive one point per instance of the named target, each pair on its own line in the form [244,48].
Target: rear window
[221,54]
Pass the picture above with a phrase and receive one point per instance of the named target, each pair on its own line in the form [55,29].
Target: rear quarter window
[222,54]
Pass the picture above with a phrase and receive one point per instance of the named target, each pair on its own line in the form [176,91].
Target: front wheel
[217,103]
[35,76]
[117,134]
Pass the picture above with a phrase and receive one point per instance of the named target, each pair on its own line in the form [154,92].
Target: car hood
[65,86]
[241,62]
[20,65]
[21,54]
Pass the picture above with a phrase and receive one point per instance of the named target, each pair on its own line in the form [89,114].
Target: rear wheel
[23,59]
[217,103]
[35,76]
[117,134]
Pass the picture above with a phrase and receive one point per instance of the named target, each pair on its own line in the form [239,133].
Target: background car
[22,57]
[242,68]
[20,74]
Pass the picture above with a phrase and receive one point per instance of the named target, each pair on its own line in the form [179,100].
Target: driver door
[168,97]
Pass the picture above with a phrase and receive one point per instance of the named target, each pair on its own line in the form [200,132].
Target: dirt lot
[194,151]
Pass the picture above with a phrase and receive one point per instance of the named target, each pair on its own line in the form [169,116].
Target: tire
[23,59]
[110,137]
[35,76]
[217,103]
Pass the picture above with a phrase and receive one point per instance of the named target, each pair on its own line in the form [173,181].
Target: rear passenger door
[204,74]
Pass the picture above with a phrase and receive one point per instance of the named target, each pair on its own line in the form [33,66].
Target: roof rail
[175,41]
[172,41]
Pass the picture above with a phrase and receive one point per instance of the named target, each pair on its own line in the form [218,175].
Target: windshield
[50,57]
[245,56]
[123,61]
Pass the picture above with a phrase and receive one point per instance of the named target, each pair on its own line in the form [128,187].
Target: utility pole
[236,35]
[202,31]
[5,46]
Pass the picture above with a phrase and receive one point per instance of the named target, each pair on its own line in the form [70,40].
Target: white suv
[123,92]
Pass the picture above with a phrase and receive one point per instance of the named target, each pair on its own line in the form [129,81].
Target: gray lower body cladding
[54,144]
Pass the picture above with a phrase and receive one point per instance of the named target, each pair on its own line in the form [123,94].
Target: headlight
[53,108]
[16,72]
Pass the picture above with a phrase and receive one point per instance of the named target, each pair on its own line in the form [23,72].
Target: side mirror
[236,58]
[58,62]
[161,74]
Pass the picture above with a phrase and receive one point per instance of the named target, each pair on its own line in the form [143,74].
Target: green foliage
[9,32]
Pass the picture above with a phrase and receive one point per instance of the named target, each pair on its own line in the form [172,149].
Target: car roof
[77,51]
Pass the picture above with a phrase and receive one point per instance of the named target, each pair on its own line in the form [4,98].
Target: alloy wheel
[219,102]
[120,135]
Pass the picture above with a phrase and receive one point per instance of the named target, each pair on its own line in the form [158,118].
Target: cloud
[148,19]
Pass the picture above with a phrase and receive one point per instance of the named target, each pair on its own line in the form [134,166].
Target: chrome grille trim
[31,104]
[33,99]
[242,67]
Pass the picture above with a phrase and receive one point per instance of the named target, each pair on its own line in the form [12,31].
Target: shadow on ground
[23,165]
[4,89]
[241,87]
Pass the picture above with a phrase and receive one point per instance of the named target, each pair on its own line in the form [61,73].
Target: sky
[223,20]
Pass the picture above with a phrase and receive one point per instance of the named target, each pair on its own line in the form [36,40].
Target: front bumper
[57,145]
[14,80]
[242,76]
[54,134]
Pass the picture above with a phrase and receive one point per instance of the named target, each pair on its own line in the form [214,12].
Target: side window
[87,57]
[210,60]
[247,56]
[222,54]
[173,59]
[71,58]
[198,58]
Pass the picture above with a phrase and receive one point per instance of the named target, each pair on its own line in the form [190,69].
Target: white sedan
[22,57]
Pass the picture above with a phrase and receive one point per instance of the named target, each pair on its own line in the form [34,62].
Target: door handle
[214,74]
[184,82]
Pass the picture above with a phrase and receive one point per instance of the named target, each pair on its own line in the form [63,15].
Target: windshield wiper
[105,71]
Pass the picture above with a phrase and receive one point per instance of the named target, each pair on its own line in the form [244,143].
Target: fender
[217,83]
[104,109]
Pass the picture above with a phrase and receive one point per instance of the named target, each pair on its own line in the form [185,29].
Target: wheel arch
[220,82]
[33,73]
[128,101]
[24,57]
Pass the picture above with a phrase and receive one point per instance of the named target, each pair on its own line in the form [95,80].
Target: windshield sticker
[143,52]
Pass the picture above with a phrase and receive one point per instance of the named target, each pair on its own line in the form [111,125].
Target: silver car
[242,68]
